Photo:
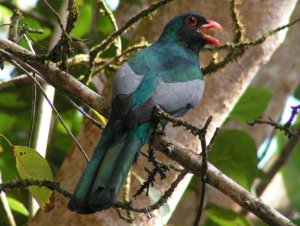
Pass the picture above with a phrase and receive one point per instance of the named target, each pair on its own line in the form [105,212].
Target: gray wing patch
[126,81]
[177,98]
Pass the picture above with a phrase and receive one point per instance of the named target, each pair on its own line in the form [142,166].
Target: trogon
[167,74]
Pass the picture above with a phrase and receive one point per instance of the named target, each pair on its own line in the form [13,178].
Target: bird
[166,73]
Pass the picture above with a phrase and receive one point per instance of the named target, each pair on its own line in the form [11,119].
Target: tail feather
[102,179]
[80,197]
[104,192]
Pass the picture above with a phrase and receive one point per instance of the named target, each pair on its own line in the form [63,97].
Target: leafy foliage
[234,153]
[218,216]
[84,21]
[252,104]
[17,206]
[297,92]
[31,165]
[291,175]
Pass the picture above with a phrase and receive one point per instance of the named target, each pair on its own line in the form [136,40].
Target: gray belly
[177,98]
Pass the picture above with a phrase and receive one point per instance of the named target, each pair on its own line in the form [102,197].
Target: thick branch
[193,162]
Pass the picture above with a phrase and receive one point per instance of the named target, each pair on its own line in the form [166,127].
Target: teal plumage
[166,73]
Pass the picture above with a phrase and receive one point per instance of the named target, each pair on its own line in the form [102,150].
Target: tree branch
[193,162]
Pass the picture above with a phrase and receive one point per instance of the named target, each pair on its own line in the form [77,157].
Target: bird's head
[190,30]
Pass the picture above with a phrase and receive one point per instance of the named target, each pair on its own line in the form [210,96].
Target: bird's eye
[191,21]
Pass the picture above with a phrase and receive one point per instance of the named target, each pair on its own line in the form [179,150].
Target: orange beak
[210,25]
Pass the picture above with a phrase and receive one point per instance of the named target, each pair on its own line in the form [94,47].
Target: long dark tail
[101,181]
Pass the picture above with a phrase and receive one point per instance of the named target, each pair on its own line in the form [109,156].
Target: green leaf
[218,216]
[7,161]
[291,175]
[84,21]
[31,165]
[105,25]
[297,220]
[11,100]
[252,104]
[17,206]
[9,121]
[297,92]
[234,153]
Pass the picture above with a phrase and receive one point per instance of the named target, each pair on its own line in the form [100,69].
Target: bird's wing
[134,96]
[131,96]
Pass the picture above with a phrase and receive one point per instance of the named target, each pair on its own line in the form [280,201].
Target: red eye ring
[191,21]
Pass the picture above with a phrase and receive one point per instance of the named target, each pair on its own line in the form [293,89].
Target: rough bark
[222,91]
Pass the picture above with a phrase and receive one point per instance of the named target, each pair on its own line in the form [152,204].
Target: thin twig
[119,59]
[112,19]
[82,111]
[238,49]
[202,197]
[161,114]
[6,207]
[56,15]
[24,183]
[254,42]
[108,41]
[72,16]
[13,26]
[290,133]
[98,49]
[237,25]
[162,200]
[2,25]
[33,101]
[127,219]
[203,177]
[33,111]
